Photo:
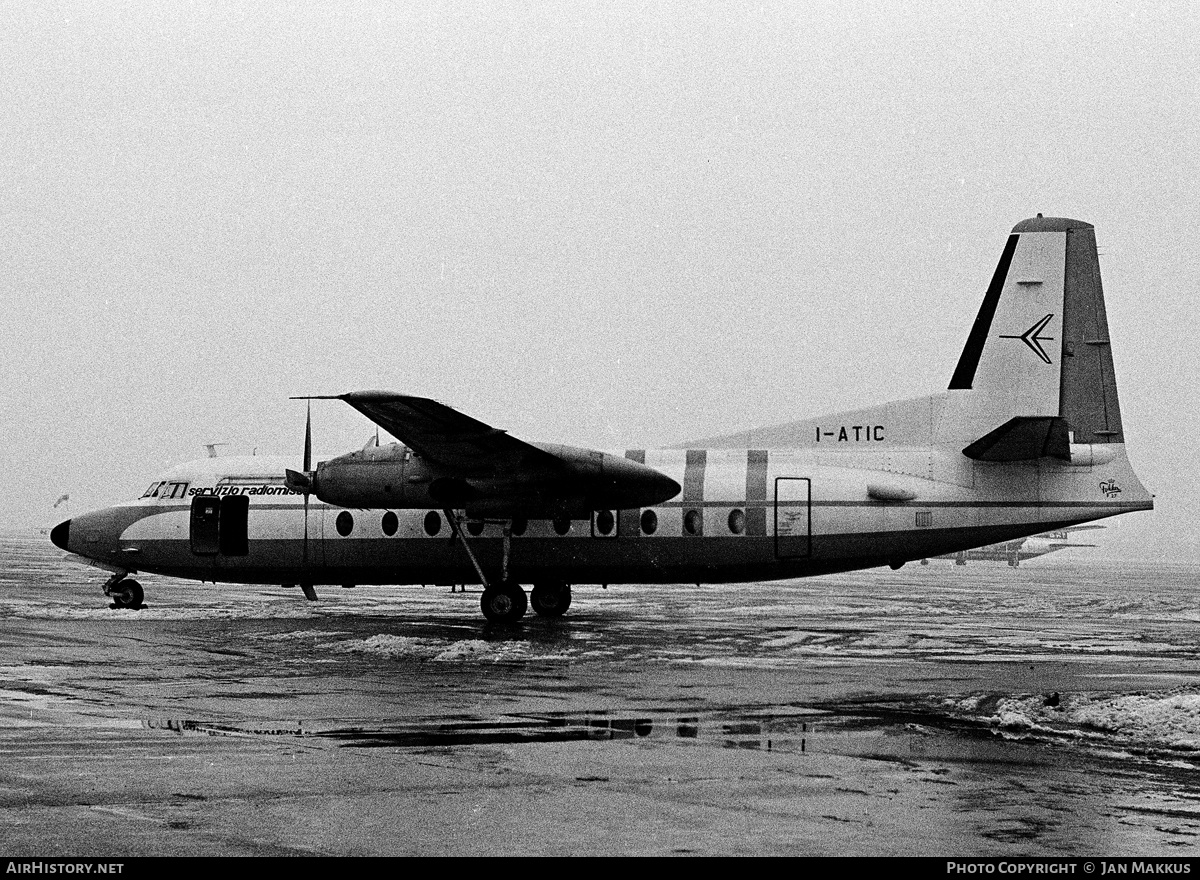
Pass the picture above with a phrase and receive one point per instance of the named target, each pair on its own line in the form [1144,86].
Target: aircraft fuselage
[743,514]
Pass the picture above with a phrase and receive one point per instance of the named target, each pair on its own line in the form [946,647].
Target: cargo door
[233,530]
[219,525]
[205,524]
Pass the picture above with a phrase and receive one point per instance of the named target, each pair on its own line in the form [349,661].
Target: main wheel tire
[506,603]
[128,594]
[550,600]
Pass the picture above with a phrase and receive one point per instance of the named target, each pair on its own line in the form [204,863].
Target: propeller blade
[304,547]
[308,440]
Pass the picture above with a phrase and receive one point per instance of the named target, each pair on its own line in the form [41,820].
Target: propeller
[302,481]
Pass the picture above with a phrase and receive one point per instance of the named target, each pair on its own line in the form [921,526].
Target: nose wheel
[126,593]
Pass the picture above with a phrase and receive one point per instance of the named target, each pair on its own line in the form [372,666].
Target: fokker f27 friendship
[1027,438]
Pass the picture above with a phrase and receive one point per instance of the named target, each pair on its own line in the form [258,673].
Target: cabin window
[519,525]
[562,525]
[475,527]
[693,522]
[344,523]
[390,523]
[737,521]
[605,522]
[433,523]
[649,522]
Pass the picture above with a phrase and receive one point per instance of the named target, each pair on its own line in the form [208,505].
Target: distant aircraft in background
[1028,438]
[1017,551]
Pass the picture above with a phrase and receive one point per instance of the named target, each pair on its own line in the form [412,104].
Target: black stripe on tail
[968,361]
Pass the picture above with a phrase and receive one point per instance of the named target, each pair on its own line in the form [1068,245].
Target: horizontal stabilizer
[1022,439]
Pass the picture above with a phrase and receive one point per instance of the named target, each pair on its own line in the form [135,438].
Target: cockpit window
[175,490]
[152,492]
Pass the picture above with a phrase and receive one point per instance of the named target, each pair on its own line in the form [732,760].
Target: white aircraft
[1019,549]
[1028,438]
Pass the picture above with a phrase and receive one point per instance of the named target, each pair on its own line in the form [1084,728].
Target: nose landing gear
[124,591]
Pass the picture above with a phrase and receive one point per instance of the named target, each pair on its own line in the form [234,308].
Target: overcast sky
[622,224]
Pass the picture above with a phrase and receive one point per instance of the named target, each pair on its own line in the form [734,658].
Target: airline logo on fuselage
[260,489]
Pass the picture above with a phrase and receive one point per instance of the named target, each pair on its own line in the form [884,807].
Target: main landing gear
[124,591]
[505,601]
[551,599]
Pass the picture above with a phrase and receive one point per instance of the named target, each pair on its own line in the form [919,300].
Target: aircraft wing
[445,436]
[466,463]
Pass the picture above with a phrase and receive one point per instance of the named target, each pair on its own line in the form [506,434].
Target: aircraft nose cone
[60,534]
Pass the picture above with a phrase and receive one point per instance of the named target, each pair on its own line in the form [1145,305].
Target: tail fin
[1036,373]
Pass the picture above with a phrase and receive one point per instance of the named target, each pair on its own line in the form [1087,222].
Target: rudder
[1088,392]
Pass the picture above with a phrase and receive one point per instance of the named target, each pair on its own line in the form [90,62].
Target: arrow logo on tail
[1031,338]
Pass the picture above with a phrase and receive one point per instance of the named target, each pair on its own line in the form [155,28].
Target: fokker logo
[1110,488]
[1031,338]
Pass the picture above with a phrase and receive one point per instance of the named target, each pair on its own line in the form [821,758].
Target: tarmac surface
[938,710]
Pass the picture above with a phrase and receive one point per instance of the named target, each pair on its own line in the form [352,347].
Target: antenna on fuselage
[212,448]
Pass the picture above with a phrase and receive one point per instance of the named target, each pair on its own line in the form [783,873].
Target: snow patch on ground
[473,650]
[300,634]
[1148,721]
[387,645]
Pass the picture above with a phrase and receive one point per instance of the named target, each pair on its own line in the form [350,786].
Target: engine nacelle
[572,482]
[377,476]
